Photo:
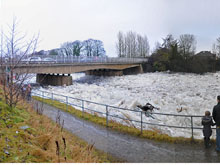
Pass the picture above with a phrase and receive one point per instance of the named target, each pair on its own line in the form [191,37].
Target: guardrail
[83,59]
[81,104]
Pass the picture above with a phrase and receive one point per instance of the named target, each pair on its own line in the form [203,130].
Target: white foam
[194,93]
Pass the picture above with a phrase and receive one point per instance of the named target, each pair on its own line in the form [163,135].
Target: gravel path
[130,148]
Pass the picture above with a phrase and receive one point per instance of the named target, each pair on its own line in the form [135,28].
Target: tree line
[174,54]
[132,44]
[89,48]
[179,55]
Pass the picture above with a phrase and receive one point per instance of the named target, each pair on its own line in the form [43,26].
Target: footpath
[129,148]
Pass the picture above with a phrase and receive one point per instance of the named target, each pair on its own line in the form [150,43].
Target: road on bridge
[130,148]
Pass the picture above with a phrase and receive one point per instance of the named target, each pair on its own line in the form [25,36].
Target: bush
[165,59]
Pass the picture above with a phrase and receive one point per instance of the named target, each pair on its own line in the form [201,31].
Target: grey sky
[68,20]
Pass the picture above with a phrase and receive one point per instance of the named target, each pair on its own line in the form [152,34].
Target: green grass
[11,135]
[36,144]
[148,134]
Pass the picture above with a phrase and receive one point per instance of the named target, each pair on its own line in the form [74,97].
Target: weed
[39,109]
[148,134]
[64,144]
[40,142]
[58,150]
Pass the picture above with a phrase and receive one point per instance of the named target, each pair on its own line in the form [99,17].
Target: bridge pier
[55,80]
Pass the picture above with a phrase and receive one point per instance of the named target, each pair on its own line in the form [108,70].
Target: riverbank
[132,149]
[148,134]
[27,136]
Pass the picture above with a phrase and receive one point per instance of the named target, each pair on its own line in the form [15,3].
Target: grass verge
[153,135]
[27,136]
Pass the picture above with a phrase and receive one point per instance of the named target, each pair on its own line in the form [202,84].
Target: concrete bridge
[58,73]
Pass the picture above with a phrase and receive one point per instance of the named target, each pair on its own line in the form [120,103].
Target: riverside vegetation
[28,136]
[148,134]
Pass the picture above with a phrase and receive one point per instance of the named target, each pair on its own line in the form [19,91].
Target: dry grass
[148,134]
[128,121]
[47,149]
[43,141]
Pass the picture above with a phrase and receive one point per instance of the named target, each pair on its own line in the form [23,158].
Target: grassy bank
[27,136]
[154,135]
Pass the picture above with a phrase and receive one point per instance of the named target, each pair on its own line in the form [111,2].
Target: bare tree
[132,45]
[14,48]
[125,47]
[140,41]
[157,46]
[98,48]
[93,47]
[168,41]
[216,47]
[187,44]
[142,46]
[67,49]
[120,44]
[129,38]
[72,48]
[90,47]
[146,46]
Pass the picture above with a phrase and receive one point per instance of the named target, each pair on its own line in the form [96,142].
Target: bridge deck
[70,68]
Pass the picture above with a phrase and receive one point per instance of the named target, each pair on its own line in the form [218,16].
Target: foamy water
[194,93]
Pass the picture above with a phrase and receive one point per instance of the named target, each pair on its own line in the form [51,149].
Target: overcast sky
[59,21]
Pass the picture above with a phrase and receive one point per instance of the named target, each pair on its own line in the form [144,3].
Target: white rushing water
[194,93]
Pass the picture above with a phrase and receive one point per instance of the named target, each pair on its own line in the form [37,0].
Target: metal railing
[80,103]
[58,59]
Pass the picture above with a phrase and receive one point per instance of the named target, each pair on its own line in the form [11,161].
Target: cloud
[68,20]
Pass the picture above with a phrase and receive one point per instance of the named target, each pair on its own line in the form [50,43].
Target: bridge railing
[58,59]
[105,59]
[84,59]
[106,111]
